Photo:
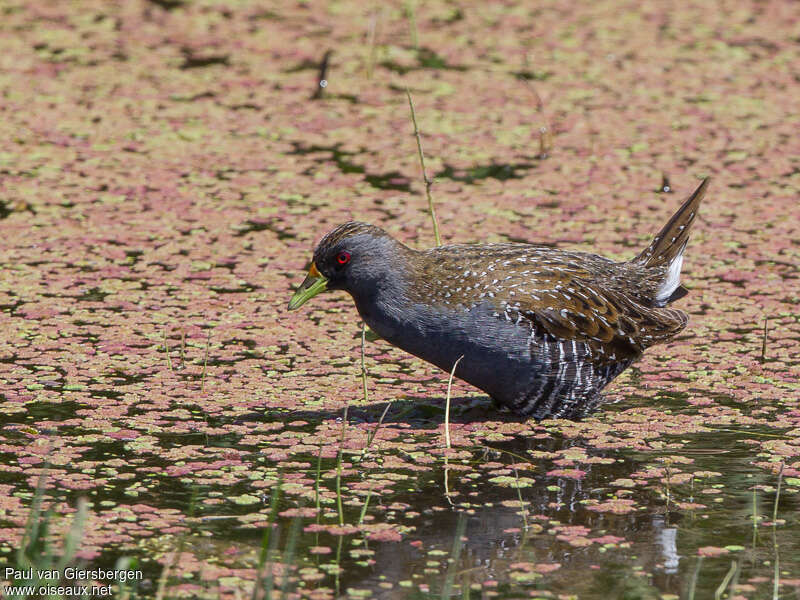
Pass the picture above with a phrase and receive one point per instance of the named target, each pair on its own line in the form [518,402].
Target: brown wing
[583,336]
[608,321]
[570,295]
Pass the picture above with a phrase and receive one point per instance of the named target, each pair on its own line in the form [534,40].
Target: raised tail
[666,249]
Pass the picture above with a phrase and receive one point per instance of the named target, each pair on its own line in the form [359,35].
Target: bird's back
[570,294]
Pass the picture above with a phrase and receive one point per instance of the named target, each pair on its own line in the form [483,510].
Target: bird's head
[355,257]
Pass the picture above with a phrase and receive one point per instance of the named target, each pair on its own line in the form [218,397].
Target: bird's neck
[386,305]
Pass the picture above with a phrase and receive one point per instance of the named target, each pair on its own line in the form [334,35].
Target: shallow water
[554,543]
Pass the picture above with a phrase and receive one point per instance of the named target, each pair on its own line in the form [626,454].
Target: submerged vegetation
[165,172]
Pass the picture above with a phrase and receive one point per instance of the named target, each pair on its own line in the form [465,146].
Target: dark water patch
[305,65]
[52,411]
[499,171]
[198,62]
[176,440]
[244,288]
[120,378]
[105,449]
[351,98]
[230,265]
[219,362]
[532,75]
[251,226]
[12,307]
[192,97]
[251,344]
[107,394]
[393,180]
[422,412]
[169,4]
[163,266]
[454,15]
[42,411]
[426,59]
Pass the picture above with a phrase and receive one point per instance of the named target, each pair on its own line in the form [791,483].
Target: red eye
[343,258]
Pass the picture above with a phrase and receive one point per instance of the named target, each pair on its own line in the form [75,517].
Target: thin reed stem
[374,432]
[183,348]
[777,495]
[166,349]
[725,581]
[455,555]
[363,363]
[339,468]
[693,581]
[447,403]
[289,554]
[522,504]
[364,508]
[268,544]
[755,518]
[205,364]
[411,13]
[428,182]
[316,484]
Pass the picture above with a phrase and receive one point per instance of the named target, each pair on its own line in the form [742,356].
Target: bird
[539,329]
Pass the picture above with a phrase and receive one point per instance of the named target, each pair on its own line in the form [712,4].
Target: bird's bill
[314,283]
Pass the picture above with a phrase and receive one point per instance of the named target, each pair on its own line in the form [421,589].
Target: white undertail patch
[671,281]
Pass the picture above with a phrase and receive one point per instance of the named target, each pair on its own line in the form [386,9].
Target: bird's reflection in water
[496,541]
[666,537]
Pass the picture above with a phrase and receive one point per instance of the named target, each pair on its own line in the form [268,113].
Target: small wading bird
[540,330]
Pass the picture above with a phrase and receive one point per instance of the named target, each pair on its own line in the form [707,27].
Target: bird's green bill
[314,283]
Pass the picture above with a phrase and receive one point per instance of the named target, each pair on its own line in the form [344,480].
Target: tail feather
[671,240]
[679,293]
[666,249]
